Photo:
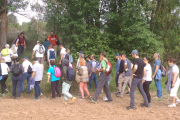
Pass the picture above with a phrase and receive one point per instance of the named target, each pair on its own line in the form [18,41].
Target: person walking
[66,83]
[51,55]
[15,53]
[88,58]
[21,44]
[127,74]
[4,72]
[40,51]
[62,53]
[147,79]
[157,74]
[17,78]
[173,82]
[27,66]
[46,46]
[137,75]
[37,75]
[92,75]
[117,66]
[7,53]
[103,81]
[53,39]
[54,80]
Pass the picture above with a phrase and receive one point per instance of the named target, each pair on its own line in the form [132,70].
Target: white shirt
[63,51]
[148,76]
[15,55]
[36,49]
[39,71]
[26,65]
[4,69]
[49,53]
[8,57]
[176,69]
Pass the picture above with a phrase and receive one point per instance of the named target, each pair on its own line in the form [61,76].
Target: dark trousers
[20,49]
[37,89]
[103,82]
[137,83]
[3,84]
[146,90]
[116,79]
[17,81]
[55,88]
[8,63]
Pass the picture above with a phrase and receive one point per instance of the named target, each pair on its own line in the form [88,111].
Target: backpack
[52,54]
[70,58]
[109,67]
[14,42]
[163,71]
[41,49]
[89,67]
[57,72]
[70,74]
[16,69]
[5,52]
[29,70]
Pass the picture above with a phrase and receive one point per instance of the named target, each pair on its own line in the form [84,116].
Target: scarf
[170,77]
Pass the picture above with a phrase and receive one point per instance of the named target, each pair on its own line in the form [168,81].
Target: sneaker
[128,93]
[172,105]
[144,105]
[36,99]
[81,98]
[101,93]
[92,101]
[105,98]
[18,98]
[41,94]
[72,99]
[6,90]
[109,101]
[177,101]
[129,107]
[118,93]
[3,95]
[65,103]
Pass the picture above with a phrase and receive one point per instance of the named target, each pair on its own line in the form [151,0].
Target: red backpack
[109,67]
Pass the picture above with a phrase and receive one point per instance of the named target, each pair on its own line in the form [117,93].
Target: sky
[27,12]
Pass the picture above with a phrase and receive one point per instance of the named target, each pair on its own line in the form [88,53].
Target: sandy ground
[52,109]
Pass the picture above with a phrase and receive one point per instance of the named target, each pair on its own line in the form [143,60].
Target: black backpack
[16,69]
[0,71]
[163,71]
[29,70]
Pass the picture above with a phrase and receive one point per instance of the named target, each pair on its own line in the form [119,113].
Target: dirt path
[51,109]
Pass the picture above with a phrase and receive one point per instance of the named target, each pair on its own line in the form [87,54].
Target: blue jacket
[117,65]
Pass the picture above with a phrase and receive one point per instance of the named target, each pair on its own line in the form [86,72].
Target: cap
[7,45]
[25,57]
[117,54]
[134,52]
[38,41]
[35,59]
[80,52]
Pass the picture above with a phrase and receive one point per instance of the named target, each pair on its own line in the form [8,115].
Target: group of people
[137,74]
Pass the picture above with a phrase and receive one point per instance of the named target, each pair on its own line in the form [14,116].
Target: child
[51,55]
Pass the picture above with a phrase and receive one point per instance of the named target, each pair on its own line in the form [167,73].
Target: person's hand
[143,80]
[172,84]
[98,70]
[60,62]
[89,75]
[24,47]
[133,75]
[48,81]
[118,73]
[32,56]
[153,76]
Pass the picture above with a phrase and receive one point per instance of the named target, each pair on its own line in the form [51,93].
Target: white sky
[27,12]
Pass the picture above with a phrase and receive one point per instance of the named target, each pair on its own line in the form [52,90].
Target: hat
[38,41]
[25,57]
[7,45]
[35,59]
[117,54]
[134,52]
[80,52]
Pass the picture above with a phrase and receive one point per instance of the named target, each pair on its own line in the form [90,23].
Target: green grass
[46,88]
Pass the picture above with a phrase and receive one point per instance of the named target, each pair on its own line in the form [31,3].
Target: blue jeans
[26,76]
[37,89]
[93,76]
[159,88]
[17,81]
[116,79]
[20,49]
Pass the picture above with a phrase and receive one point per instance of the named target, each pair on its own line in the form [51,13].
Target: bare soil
[54,109]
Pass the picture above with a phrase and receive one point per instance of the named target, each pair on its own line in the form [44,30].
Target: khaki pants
[55,49]
[127,79]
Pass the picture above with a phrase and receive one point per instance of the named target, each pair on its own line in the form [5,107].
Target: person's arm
[125,66]
[102,69]
[8,69]
[92,69]
[48,77]
[134,70]
[17,42]
[24,44]
[33,74]
[174,78]
[144,74]
[33,54]
[156,69]
[118,65]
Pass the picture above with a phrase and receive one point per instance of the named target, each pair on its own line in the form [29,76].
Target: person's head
[134,54]
[82,56]
[103,54]
[22,34]
[25,58]
[80,52]
[2,60]
[52,62]
[124,57]
[146,60]
[38,42]
[120,56]
[93,57]
[17,60]
[117,56]
[52,33]
[156,56]
[82,62]
[61,46]
[88,58]
[7,46]
[171,61]
[67,56]
[35,60]
[50,46]
[67,51]
[100,58]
